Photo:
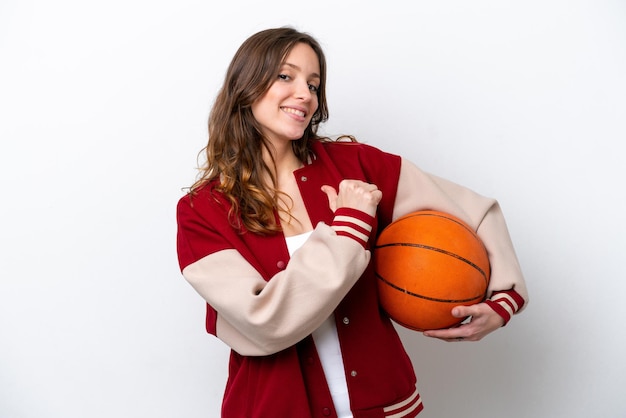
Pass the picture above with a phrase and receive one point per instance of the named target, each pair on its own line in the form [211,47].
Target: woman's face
[286,109]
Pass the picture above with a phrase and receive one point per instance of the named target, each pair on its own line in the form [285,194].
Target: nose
[302,90]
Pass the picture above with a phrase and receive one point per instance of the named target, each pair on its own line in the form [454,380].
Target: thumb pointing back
[331,193]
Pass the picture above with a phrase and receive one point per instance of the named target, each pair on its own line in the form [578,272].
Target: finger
[445,335]
[463,311]
[357,184]
[377,196]
[331,193]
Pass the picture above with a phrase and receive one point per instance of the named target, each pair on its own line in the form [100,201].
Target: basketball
[426,263]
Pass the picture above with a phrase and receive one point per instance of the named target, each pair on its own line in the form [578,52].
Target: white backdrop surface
[103,107]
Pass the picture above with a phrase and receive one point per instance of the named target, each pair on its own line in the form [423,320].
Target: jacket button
[281,265]
[326,411]
[353,373]
[303,178]
[346,320]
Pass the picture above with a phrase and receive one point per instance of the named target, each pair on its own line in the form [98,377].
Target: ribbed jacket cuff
[505,303]
[354,224]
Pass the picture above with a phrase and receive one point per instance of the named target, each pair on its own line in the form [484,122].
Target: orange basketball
[427,262]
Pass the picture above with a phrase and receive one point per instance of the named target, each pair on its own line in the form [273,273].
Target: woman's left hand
[483,321]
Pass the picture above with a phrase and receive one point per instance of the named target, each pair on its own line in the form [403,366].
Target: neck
[282,160]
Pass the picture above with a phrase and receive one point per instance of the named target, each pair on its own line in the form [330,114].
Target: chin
[295,136]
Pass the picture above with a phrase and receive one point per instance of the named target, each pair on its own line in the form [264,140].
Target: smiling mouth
[294,111]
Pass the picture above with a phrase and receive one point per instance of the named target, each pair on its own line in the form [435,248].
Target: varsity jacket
[265,305]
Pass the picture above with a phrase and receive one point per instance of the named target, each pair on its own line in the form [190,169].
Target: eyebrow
[294,66]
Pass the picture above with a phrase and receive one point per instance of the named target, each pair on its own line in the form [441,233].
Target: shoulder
[204,200]
[202,225]
[353,157]
[346,146]
[356,150]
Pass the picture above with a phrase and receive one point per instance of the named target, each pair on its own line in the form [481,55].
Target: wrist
[353,223]
[505,303]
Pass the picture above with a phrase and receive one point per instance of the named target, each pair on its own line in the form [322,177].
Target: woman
[276,236]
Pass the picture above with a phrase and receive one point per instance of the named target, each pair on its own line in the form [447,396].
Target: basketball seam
[439,250]
[427,297]
[437,215]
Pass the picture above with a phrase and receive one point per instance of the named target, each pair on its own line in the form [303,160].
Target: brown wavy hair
[234,151]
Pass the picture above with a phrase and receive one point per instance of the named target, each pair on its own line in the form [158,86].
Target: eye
[313,88]
[283,77]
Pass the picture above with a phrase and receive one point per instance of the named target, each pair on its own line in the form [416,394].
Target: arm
[258,317]
[507,292]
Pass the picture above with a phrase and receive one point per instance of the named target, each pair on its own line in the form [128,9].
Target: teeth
[294,111]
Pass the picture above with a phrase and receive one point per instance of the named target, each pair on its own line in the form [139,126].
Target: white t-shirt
[328,349]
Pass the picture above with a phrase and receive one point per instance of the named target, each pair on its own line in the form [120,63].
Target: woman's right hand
[355,194]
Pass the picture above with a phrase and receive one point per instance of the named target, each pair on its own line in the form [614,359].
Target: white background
[103,107]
